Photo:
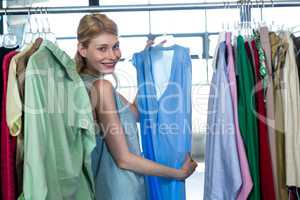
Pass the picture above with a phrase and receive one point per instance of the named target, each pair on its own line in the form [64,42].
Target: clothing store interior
[218,85]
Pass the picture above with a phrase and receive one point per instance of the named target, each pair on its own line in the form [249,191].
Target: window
[131,22]
[59,3]
[181,21]
[217,19]
[142,2]
[45,3]
[276,17]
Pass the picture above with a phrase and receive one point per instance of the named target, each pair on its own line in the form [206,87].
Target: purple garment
[246,177]
[223,179]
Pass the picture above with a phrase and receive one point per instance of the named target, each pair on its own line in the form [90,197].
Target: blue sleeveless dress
[111,182]
[165,117]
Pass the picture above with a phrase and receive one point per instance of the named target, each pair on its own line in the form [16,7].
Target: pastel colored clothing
[291,110]
[223,177]
[59,133]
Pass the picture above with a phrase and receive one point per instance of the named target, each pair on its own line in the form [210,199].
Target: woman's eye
[117,46]
[102,49]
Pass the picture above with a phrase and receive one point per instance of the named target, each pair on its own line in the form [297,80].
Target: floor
[195,184]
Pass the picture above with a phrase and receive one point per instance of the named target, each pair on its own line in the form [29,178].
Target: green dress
[111,182]
[246,114]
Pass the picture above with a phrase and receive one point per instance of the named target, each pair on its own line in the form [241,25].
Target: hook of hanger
[47,20]
[228,8]
[272,2]
[256,4]
[29,21]
[6,18]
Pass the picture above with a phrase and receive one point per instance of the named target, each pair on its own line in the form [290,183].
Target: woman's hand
[149,43]
[187,169]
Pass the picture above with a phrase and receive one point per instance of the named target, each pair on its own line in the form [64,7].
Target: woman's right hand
[188,168]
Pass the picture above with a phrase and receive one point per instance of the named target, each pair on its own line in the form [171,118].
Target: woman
[117,162]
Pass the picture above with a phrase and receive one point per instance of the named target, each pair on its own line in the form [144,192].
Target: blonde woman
[117,163]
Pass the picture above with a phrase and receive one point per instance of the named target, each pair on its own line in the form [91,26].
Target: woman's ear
[82,50]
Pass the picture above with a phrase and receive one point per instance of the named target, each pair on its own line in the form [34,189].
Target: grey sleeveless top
[111,182]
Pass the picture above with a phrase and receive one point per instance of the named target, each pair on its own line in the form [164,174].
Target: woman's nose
[111,54]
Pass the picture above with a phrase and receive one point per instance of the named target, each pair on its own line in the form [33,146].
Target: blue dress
[165,121]
[111,182]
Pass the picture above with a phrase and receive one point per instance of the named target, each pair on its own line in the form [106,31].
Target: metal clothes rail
[152,7]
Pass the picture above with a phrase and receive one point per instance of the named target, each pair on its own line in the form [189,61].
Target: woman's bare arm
[115,139]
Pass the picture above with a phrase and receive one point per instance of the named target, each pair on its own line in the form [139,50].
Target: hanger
[43,32]
[9,39]
[165,40]
[49,35]
[38,33]
[28,34]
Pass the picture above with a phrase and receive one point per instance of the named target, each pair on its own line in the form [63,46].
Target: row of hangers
[36,27]
[246,27]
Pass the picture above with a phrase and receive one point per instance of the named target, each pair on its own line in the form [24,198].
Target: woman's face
[102,54]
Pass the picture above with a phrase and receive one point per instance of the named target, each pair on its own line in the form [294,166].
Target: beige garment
[264,36]
[13,100]
[21,66]
[291,102]
[279,49]
[15,87]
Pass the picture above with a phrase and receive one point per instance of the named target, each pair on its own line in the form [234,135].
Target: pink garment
[8,143]
[246,177]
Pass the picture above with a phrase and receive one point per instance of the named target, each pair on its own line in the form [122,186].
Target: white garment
[161,69]
[291,107]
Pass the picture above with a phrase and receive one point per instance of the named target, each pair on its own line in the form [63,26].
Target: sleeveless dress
[164,76]
[111,182]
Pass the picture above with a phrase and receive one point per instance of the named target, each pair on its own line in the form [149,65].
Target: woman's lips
[109,65]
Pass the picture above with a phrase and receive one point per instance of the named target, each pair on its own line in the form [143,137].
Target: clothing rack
[151,7]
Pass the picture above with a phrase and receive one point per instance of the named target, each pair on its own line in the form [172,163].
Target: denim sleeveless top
[111,182]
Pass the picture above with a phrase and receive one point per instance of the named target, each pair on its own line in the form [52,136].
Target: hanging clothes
[8,143]
[223,177]
[166,119]
[247,183]
[247,119]
[265,161]
[279,49]
[59,131]
[14,104]
[3,143]
[291,105]
[296,41]
[269,98]
[3,52]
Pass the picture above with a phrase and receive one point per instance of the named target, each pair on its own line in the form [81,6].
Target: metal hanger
[28,35]
[9,39]
[49,35]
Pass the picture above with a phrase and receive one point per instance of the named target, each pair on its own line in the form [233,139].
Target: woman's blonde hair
[90,26]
